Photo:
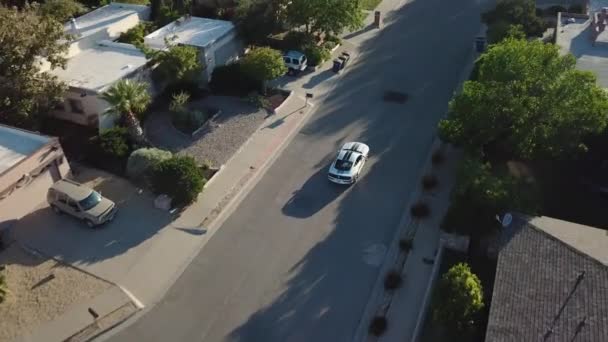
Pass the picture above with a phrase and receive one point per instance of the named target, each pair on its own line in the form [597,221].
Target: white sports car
[349,163]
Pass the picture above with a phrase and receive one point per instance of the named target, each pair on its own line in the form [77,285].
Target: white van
[295,61]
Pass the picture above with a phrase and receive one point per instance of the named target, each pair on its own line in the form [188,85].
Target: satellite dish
[506,220]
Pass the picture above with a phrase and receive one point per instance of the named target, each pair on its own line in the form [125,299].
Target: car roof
[347,155]
[74,190]
[293,54]
[355,146]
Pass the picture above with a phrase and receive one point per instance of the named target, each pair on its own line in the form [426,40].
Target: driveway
[109,251]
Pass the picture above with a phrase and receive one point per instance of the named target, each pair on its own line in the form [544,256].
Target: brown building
[29,164]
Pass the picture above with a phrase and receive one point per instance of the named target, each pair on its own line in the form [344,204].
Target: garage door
[25,199]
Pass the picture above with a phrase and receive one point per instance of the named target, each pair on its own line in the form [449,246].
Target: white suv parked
[295,61]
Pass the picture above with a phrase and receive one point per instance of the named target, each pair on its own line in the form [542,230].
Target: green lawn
[370,5]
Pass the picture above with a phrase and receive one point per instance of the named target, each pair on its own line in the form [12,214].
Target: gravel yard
[41,289]
[220,138]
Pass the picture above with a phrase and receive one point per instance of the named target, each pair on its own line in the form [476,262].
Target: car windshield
[92,200]
[343,165]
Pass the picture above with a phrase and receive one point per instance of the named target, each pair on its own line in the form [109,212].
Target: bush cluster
[231,79]
[142,161]
[179,177]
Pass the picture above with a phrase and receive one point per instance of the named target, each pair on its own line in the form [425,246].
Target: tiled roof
[546,289]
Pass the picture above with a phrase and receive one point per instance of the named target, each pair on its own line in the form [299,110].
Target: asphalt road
[290,263]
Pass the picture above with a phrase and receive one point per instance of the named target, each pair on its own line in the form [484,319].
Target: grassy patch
[370,5]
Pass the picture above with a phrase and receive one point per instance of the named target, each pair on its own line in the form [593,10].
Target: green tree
[527,101]
[325,16]
[178,177]
[136,34]
[480,194]
[458,298]
[514,12]
[178,67]
[127,100]
[26,92]
[61,10]
[256,19]
[264,64]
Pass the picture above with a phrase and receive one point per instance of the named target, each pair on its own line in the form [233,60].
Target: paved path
[290,263]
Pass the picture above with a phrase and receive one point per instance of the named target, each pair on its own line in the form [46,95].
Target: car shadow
[314,195]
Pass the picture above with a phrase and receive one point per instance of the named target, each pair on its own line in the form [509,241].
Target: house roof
[17,144]
[194,31]
[575,37]
[98,68]
[551,283]
[107,18]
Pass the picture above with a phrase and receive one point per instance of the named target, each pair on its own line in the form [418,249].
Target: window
[287,60]
[76,106]
[73,205]
[358,160]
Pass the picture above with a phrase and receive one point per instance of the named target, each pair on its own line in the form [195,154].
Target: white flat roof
[16,145]
[105,17]
[575,37]
[195,31]
[98,68]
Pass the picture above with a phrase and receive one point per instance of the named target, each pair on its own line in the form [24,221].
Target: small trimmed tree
[178,177]
[264,64]
[458,298]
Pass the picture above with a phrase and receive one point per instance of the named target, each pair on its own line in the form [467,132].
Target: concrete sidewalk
[407,302]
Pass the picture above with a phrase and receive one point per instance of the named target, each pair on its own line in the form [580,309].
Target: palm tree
[128,99]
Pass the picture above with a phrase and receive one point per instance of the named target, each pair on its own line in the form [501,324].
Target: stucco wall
[224,51]
[23,187]
[94,107]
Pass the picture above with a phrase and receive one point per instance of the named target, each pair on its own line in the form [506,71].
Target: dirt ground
[40,289]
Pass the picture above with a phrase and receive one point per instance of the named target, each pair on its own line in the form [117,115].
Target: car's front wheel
[90,223]
[56,210]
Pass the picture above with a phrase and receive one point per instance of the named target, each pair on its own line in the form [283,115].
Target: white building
[216,39]
[95,62]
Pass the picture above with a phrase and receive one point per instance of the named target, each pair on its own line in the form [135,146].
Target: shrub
[316,54]
[420,210]
[392,280]
[437,158]
[378,326]
[457,299]
[429,182]
[231,79]
[136,34]
[178,177]
[178,101]
[405,244]
[189,121]
[258,101]
[143,160]
[113,143]
[3,288]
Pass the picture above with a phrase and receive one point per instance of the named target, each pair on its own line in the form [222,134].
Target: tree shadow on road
[327,288]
